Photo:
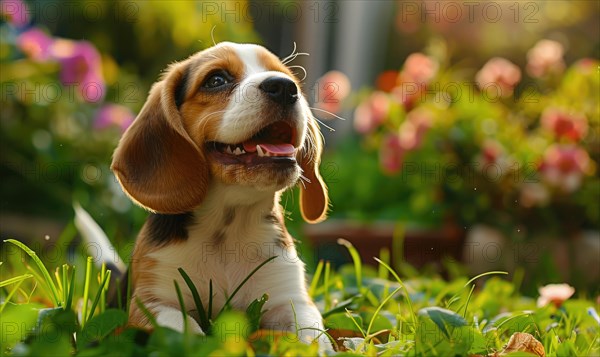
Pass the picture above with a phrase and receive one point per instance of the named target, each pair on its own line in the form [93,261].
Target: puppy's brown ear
[157,163]
[313,194]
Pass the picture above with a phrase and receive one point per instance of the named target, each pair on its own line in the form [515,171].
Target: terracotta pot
[420,246]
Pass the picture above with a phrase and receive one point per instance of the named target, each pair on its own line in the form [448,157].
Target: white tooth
[259,151]
[228,149]
[237,151]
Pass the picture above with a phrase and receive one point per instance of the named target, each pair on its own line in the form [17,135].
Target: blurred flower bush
[518,151]
[71,83]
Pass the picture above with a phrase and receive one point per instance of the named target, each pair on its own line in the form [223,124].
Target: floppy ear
[313,194]
[156,162]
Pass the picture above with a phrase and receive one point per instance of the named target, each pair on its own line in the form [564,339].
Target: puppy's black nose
[281,90]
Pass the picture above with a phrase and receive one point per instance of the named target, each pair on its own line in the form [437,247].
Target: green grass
[368,311]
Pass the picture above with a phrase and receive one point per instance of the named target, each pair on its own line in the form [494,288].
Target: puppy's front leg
[170,317]
[307,323]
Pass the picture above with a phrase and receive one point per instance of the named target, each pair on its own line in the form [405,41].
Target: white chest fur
[232,234]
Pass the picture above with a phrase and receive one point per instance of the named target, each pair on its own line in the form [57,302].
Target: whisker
[292,56]
[328,112]
[302,182]
[303,70]
[305,179]
[212,33]
[325,125]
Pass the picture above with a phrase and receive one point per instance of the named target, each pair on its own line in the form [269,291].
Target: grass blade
[103,273]
[182,306]
[18,283]
[86,290]
[69,301]
[349,314]
[355,259]
[379,309]
[315,280]
[210,299]
[99,294]
[204,322]
[412,312]
[484,274]
[244,282]
[384,255]
[65,285]
[468,300]
[40,266]
[16,279]
[146,312]
[326,283]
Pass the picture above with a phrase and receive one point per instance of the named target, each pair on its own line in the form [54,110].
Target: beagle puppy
[219,138]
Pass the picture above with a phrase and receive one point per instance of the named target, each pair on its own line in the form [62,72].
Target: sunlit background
[470,141]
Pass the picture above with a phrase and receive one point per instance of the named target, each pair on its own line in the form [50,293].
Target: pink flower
[113,115]
[564,166]
[408,94]
[416,74]
[371,113]
[80,66]
[499,73]
[413,129]
[555,294]
[16,12]
[545,57]
[35,43]
[418,69]
[572,126]
[333,87]
[391,154]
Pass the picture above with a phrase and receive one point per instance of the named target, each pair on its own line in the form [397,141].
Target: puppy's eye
[216,80]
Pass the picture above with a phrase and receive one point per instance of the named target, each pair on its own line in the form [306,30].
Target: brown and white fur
[214,213]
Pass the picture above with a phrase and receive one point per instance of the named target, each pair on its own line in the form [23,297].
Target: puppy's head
[232,113]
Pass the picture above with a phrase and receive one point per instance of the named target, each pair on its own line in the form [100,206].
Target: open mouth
[274,143]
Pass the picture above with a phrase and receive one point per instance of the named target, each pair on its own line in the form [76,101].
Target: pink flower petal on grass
[555,294]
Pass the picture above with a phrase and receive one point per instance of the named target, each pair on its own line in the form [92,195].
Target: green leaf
[100,326]
[442,317]
[17,321]
[254,312]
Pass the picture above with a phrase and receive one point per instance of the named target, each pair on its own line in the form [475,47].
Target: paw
[173,319]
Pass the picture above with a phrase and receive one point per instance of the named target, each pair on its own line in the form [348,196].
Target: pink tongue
[273,149]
